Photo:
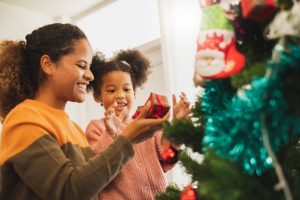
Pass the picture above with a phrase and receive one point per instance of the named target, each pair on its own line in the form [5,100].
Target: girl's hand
[141,129]
[111,121]
[182,109]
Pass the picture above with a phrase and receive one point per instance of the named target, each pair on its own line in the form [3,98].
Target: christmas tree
[247,123]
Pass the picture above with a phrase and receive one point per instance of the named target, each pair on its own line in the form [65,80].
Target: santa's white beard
[207,68]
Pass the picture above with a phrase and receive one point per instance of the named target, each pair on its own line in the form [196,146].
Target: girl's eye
[127,89]
[111,91]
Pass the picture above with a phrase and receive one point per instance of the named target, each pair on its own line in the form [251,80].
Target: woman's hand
[141,129]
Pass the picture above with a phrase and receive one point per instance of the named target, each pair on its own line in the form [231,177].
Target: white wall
[180,21]
[122,24]
[16,22]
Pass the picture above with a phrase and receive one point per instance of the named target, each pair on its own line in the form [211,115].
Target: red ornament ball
[170,155]
[189,193]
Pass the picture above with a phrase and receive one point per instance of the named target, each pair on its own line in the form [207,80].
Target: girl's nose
[120,95]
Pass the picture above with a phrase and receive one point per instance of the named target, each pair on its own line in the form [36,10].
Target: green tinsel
[242,141]
[217,92]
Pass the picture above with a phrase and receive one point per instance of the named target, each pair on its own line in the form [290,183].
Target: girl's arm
[97,135]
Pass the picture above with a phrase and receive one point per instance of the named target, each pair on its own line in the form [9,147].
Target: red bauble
[170,155]
[189,193]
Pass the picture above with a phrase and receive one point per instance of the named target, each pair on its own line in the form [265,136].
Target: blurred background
[164,30]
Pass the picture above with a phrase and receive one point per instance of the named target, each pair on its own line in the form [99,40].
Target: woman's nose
[88,75]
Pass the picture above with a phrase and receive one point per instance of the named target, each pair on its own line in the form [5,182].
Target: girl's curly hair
[130,61]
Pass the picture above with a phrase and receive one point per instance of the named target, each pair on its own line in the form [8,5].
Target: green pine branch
[184,132]
[172,193]
[221,179]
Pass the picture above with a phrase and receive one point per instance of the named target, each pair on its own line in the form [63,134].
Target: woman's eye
[81,67]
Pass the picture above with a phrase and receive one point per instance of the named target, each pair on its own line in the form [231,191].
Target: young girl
[43,154]
[114,87]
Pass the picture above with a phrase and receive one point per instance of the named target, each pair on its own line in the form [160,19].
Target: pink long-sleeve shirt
[143,176]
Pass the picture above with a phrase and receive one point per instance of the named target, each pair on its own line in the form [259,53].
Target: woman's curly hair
[12,55]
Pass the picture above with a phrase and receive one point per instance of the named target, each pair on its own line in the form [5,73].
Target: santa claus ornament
[217,56]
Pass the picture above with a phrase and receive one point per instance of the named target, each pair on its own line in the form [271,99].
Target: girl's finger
[112,107]
[184,99]
[187,102]
[109,112]
[174,100]
[107,118]
[122,115]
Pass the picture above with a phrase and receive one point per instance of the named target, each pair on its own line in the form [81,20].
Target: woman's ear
[47,65]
